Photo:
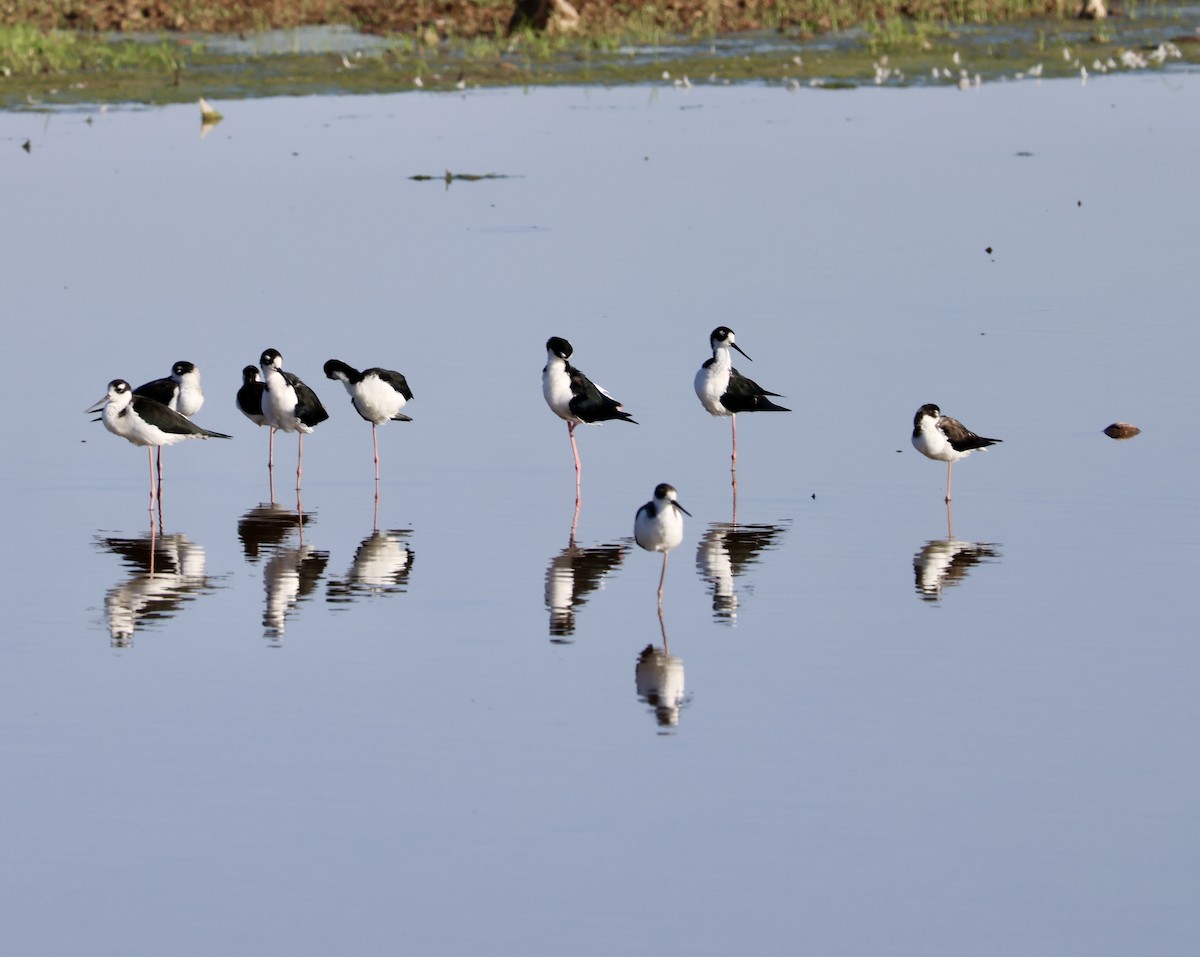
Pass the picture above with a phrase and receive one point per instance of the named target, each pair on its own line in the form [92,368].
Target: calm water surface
[450,726]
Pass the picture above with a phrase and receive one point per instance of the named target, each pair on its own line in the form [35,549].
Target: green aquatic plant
[26,50]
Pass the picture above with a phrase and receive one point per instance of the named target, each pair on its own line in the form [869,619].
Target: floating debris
[448,177]
[208,113]
[1121,430]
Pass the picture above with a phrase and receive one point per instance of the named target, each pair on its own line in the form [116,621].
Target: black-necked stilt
[288,404]
[250,404]
[658,526]
[179,391]
[250,396]
[574,397]
[940,437]
[725,391]
[143,421]
[377,395]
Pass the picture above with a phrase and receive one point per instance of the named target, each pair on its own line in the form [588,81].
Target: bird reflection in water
[726,552]
[659,678]
[291,572]
[265,527]
[573,574]
[381,566]
[290,576]
[166,571]
[943,563]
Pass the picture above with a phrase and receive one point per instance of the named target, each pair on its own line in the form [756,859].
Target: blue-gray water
[258,749]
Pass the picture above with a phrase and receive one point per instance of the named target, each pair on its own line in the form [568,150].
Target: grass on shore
[29,51]
[55,65]
[70,35]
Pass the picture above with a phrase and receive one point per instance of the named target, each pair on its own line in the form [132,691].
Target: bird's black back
[249,398]
[308,407]
[160,390]
[589,404]
[250,395]
[961,438]
[168,420]
[394,379]
[746,395]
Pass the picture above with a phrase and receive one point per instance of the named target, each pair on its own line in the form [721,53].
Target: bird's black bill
[739,349]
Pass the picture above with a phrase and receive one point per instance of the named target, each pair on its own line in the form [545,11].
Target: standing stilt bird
[723,390]
[250,404]
[179,391]
[944,439]
[574,397]
[288,404]
[658,526]
[143,421]
[377,395]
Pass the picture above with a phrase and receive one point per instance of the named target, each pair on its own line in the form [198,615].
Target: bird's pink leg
[153,483]
[375,440]
[949,478]
[271,450]
[733,458]
[575,520]
[575,453]
[662,578]
[299,460]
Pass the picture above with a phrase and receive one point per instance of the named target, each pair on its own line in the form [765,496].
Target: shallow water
[436,726]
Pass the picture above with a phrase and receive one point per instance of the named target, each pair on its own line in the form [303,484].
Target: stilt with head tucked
[944,439]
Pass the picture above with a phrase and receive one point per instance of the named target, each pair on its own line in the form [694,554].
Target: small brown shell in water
[1121,430]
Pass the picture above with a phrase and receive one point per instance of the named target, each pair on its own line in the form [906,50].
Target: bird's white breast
[279,403]
[135,429]
[189,397]
[556,387]
[712,382]
[661,532]
[931,442]
[375,400]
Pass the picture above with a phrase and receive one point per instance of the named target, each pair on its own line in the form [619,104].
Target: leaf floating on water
[1121,430]
[27,146]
